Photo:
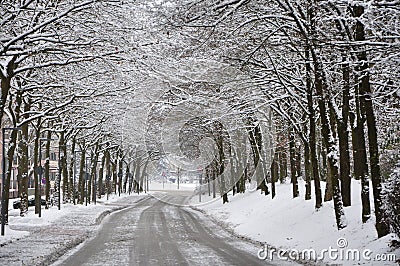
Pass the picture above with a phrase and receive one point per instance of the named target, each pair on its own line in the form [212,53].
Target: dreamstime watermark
[339,253]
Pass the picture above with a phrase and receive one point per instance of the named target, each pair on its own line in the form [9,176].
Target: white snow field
[294,226]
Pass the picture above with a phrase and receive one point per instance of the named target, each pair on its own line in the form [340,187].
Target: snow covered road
[161,230]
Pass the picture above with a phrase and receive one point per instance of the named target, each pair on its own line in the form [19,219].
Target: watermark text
[339,253]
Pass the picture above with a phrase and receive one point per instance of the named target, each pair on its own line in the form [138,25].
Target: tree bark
[233,172]
[120,174]
[127,173]
[256,146]
[361,167]
[321,90]
[282,165]
[72,173]
[298,161]
[142,177]
[213,178]
[343,134]
[91,191]
[114,173]
[223,190]
[64,171]
[36,165]
[108,172]
[312,133]
[82,173]
[274,173]
[23,163]
[47,167]
[5,83]
[23,169]
[137,174]
[292,154]
[307,170]
[329,143]
[382,224]
[329,184]
[10,158]
[100,187]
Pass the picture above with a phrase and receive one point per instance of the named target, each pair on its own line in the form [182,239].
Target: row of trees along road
[64,83]
[330,72]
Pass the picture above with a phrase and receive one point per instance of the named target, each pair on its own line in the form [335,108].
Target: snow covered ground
[294,226]
[49,216]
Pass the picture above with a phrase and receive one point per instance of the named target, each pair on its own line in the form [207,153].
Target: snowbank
[19,227]
[295,226]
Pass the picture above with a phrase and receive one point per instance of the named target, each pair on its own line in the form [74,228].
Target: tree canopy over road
[244,90]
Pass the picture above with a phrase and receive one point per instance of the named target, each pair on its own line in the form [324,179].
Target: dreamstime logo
[342,253]
[214,130]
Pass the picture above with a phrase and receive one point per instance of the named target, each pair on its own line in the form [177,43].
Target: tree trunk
[120,174]
[322,158]
[143,175]
[274,173]
[47,167]
[298,161]
[82,173]
[108,172]
[292,153]
[5,83]
[244,178]
[382,224]
[64,171]
[36,165]
[255,138]
[115,174]
[127,173]
[321,91]
[207,171]
[72,172]
[137,175]
[320,87]
[23,168]
[134,176]
[5,88]
[312,133]
[329,186]
[100,186]
[223,190]
[213,177]
[361,168]
[360,155]
[307,170]
[10,158]
[241,163]
[343,133]
[92,189]
[233,172]
[282,165]
[23,156]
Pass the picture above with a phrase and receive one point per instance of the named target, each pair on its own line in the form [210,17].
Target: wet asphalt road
[161,231]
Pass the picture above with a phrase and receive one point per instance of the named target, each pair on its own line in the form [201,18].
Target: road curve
[160,231]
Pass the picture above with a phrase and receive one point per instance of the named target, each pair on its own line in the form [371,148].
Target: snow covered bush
[392,199]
